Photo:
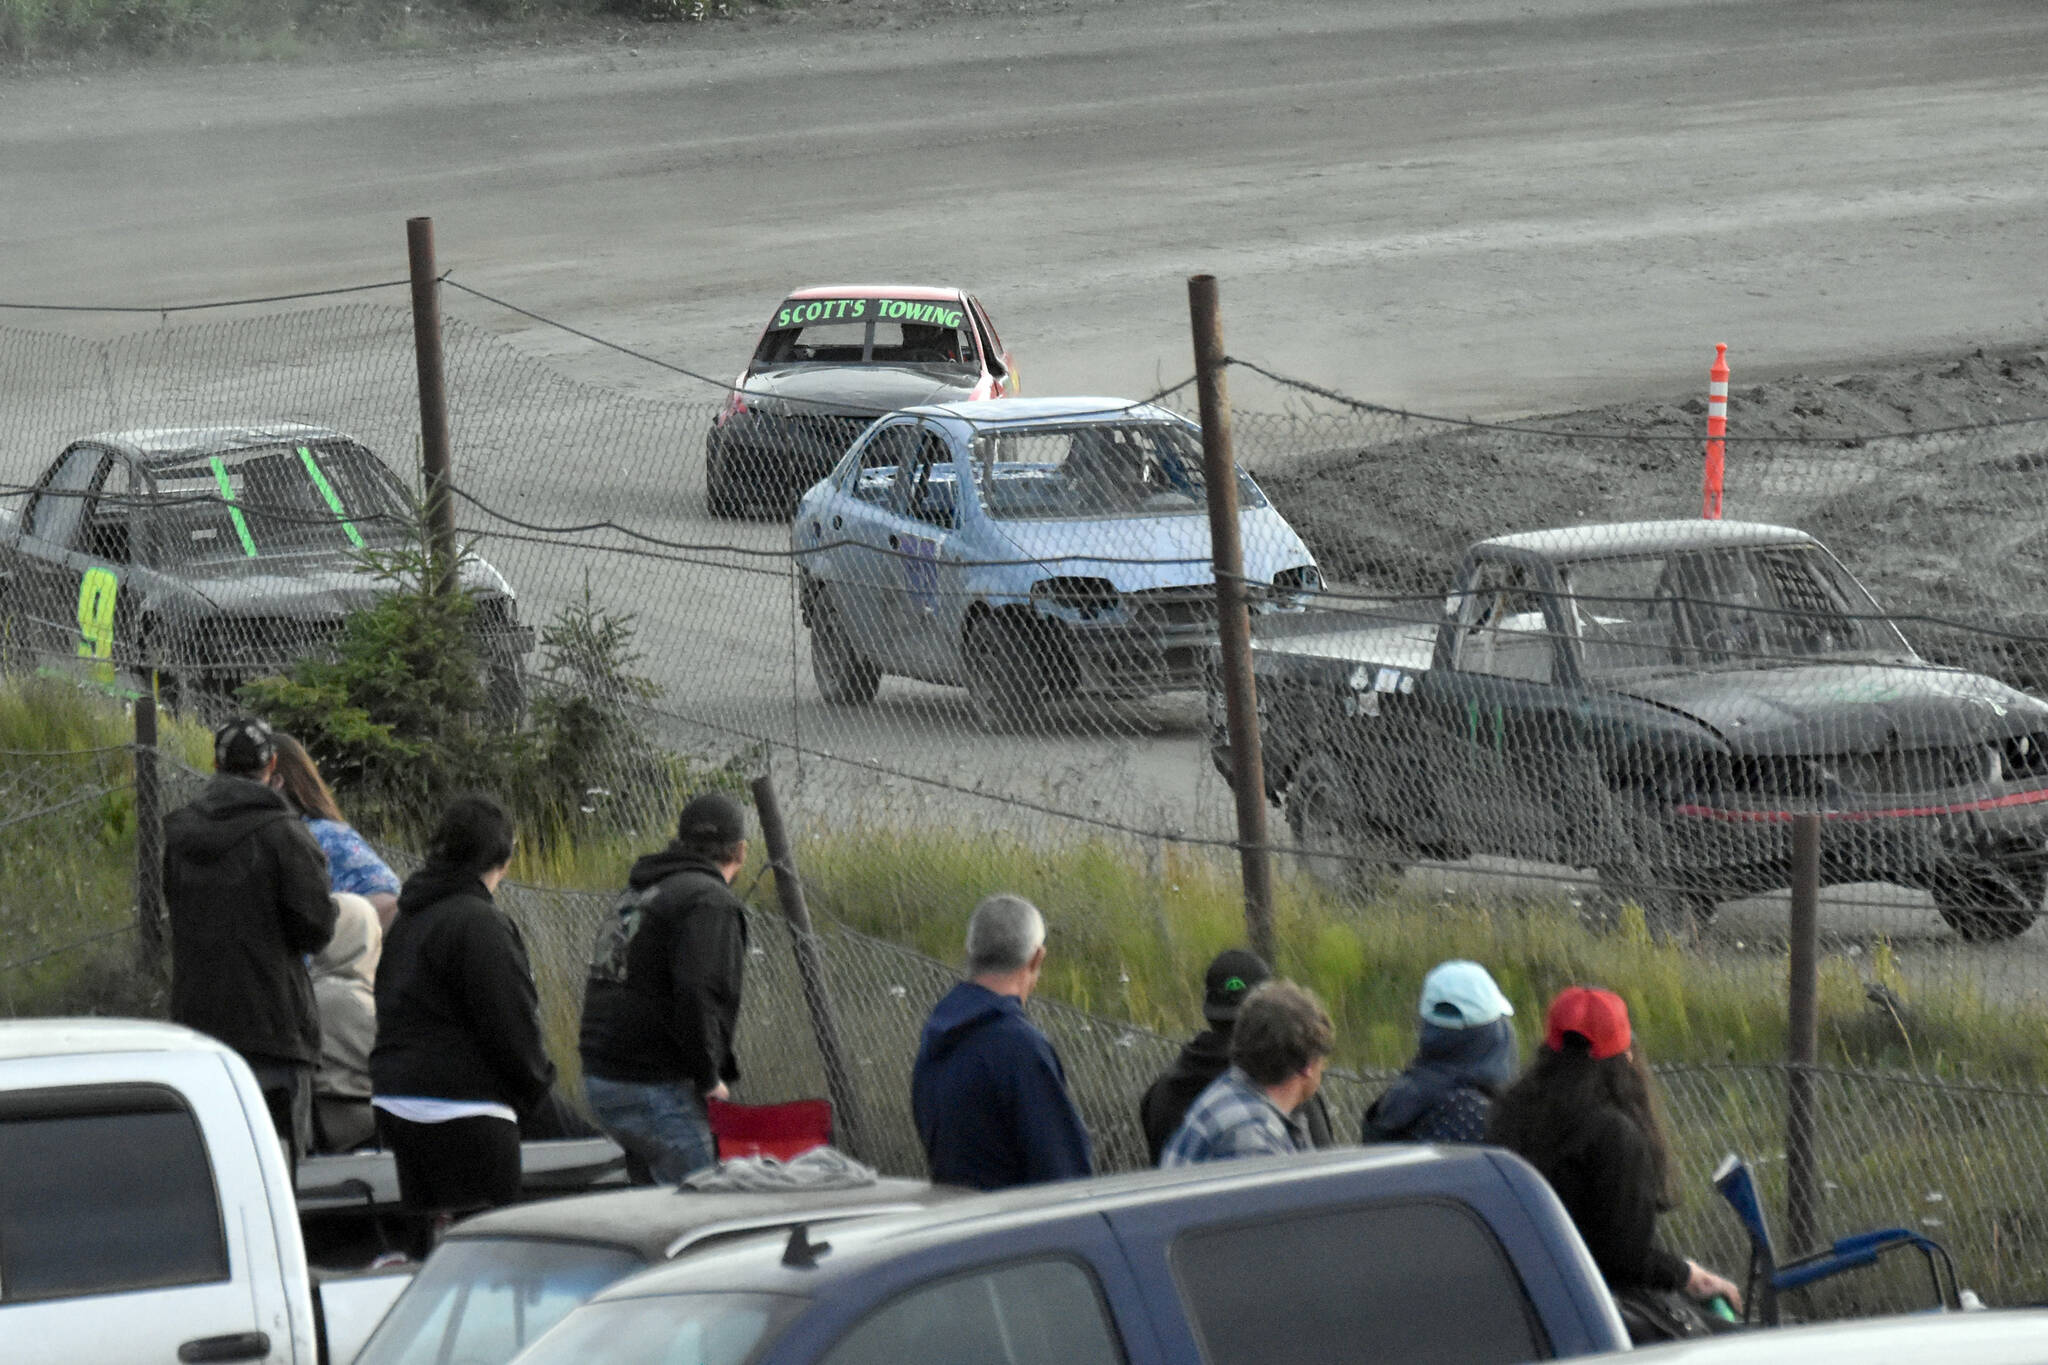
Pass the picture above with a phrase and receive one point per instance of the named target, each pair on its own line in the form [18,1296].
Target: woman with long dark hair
[352,865]
[1583,1115]
[459,1056]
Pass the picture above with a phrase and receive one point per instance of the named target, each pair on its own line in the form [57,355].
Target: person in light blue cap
[1465,1057]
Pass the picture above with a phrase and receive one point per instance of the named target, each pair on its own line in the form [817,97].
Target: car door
[1269,1273]
[133,1218]
[66,614]
[1057,1293]
[920,524]
[862,574]
[1506,723]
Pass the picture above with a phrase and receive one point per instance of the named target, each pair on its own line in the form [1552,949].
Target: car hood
[1137,553]
[868,390]
[1845,707]
[311,586]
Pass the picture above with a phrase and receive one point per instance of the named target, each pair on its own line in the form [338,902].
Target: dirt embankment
[1930,481]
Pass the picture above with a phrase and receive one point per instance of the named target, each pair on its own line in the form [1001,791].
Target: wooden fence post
[1233,620]
[847,1124]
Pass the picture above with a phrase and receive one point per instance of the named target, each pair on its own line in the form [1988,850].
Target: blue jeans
[662,1123]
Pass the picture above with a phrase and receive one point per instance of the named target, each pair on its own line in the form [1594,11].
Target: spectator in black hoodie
[245,887]
[662,999]
[1230,978]
[459,1055]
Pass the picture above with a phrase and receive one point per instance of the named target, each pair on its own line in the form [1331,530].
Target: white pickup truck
[146,1210]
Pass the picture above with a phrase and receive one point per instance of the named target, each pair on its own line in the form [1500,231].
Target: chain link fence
[995,632]
[62,900]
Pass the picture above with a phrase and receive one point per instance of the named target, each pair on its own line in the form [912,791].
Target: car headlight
[1084,599]
[1293,587]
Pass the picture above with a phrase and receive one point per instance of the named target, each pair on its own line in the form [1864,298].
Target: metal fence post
[848,1131]
[149,837]
[436,462]
[1802,1040]
[1233,621]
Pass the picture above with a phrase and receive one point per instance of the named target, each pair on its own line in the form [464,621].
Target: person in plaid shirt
[1277,1053]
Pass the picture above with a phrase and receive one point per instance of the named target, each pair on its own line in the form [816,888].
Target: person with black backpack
[661,1002]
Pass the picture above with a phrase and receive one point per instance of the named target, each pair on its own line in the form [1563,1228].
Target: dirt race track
[1466,206]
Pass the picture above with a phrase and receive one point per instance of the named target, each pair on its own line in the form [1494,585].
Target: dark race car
[831,360]
[212,556]
[1656,701]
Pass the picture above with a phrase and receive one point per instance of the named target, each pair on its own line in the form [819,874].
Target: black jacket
[662,999]
[246,889]
[1447,1092]
[1605,1175]
[1165,1102]
[458,1017]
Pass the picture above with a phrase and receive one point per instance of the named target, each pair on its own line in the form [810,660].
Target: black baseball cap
[713,818]
[243,746]
[1228,981]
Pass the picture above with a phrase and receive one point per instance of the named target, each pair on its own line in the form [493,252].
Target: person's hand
[719,1092]
[1703,1284]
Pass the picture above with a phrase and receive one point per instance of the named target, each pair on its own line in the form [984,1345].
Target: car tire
[845,676]
[720,499]
[1641,876]
[1335,844]
[1005,676]
[1990,908]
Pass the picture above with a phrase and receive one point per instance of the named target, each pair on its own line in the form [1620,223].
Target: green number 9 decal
[96,596]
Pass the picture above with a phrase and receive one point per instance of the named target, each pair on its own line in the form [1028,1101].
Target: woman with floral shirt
[352,865]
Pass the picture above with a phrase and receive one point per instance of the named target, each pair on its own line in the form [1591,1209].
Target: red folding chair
[778,1130]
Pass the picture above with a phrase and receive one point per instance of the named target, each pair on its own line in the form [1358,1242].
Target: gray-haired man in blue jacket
[988,1092]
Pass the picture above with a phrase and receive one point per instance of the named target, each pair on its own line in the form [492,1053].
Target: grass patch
[1133,926]
[67,849]
[290,30]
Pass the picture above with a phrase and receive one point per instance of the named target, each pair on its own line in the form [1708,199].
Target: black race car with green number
[211,556]
[1657,701]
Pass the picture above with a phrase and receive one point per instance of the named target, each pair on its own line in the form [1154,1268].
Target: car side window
[113,518]
[932,492]
[880,460]
[1502,631]
[59,507]
[122,1196]
[1037,1312]
[1421,1281]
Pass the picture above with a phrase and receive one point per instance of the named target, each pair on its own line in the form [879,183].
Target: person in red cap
[1582,1115]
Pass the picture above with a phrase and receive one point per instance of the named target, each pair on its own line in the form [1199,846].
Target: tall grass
[67,848]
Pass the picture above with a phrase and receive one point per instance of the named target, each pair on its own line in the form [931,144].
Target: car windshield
[321,496]
[868,331]
[672,1329]
[1095,469]
[1750,607]
[483,1299]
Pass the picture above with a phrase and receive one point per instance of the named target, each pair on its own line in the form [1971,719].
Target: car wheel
[1335,844]
[1987,908]
[1005,676]
[720,499]
[1641,875]
[845,676]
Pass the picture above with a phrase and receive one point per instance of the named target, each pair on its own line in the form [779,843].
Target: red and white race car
[831,360]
